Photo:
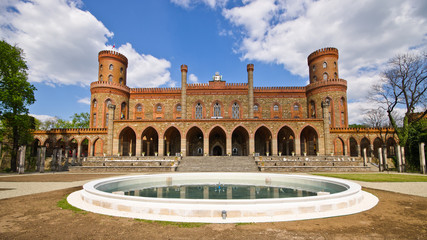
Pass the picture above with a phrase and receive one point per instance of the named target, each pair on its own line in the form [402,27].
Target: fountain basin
[97,196]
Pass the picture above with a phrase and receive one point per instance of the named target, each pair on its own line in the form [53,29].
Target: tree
[16,94]
[78,120]
[375,118]
[404,85]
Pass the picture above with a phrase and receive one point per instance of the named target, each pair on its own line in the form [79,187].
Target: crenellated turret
[323,64]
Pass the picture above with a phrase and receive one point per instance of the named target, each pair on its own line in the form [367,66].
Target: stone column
[67,156]
[38,159]
[79,153]
[74,157]
[251,145]
[297,146]
[42,159]
[358,150]
[371,152]
[365,157]
[167,147]
[59,160]
[110,138]
[183,146]
[326,127]
[138,146]
[206,146]
[21,164]
[380,159]
[403,159]
[287,147]
[148,148]
[399,159]
[385,158]
[422,158]
[250,69]
[267,147]
[161,147]
[274,151]
[228,145]
[345,150]
[184,70]
[54,162]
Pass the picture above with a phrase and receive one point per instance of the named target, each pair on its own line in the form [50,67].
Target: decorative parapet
[362,130]
[107,84]
[321,52]
[279,89]
[329,82]
[155,90]
[113,54]
[72,131]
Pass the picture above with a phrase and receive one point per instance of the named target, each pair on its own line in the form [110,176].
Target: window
[159,108]
[106,119]
[296,107]
[199,111]
[100,77]
[335,75]
[110,78]
[121,70]
[325,64]
[121,80]
[94,120]
[312,109]
[95,103]
[100,67]
[314,79]
[335,64]
[111,67]
[178,108]
[314,68]
[325,76]
[139,108]
[217,110]
[276,107]
[342,119]
[256,108]
[235,110]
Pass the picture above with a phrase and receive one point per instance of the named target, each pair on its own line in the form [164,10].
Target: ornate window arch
[276,107]
[110,78]
[325,64]
[111,67]
[217,109]
[325,76]
[235,110]
[198,111]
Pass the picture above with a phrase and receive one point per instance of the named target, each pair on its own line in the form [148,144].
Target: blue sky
[61,39]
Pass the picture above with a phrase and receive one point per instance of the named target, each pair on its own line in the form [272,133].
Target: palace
[218,118]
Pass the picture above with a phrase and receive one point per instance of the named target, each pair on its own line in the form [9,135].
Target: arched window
[121,70]
[121,80]
[335,75]
[314,79]
[106,119]
[123,111]
[178,108]
[139,108]
[335,64]
[159,108]
[296,107]
[314,67]
[100,77]
[256,109]
[217,110]
[110,78]
[199,111]
[235,110]
[111,67]
[94,120]
[325,64]
[325,76]
[312,109]
[276,107]
[100,67]
[95,103]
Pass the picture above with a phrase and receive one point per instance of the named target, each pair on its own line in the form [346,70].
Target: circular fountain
[223,197]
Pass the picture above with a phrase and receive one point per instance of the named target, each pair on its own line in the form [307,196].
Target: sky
[61,40]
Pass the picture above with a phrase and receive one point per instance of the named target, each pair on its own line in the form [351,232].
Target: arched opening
[378,143]
[309,138]
[127,142]
[353,148]
[60,144]
[84,148]
[195,142]
[240,142]
[73,148]
[286,141]
[263,141]
[339,147]
[365,143]
[123,111]
[150,142]
[49,147]
[217,140]
[98,147]
[391,147]
[34,147]
[172,141]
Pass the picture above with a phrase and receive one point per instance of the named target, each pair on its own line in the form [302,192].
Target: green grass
[63,204]
[376,177]
[176,224]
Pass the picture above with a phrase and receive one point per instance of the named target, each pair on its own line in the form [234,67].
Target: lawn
[376,177]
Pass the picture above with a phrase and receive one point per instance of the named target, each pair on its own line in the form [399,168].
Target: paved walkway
[16,189]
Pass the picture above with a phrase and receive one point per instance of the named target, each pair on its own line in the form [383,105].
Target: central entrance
[217,142]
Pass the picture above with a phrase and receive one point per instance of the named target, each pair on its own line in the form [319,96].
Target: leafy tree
[16,94]
[404,84]
[78,120]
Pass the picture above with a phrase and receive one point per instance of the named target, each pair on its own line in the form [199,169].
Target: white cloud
[193,78]
[145,70]
[44,118]
[61,43]
[367,34]
[85,100]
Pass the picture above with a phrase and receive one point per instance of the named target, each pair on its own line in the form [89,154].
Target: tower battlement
[321,52]
[110,53]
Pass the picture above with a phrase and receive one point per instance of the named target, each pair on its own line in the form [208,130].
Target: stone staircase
[217,164]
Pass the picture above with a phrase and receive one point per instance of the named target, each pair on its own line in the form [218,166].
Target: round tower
[110,88]
[112,67]
[323,64]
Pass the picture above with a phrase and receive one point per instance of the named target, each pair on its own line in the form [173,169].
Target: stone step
[217,164]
